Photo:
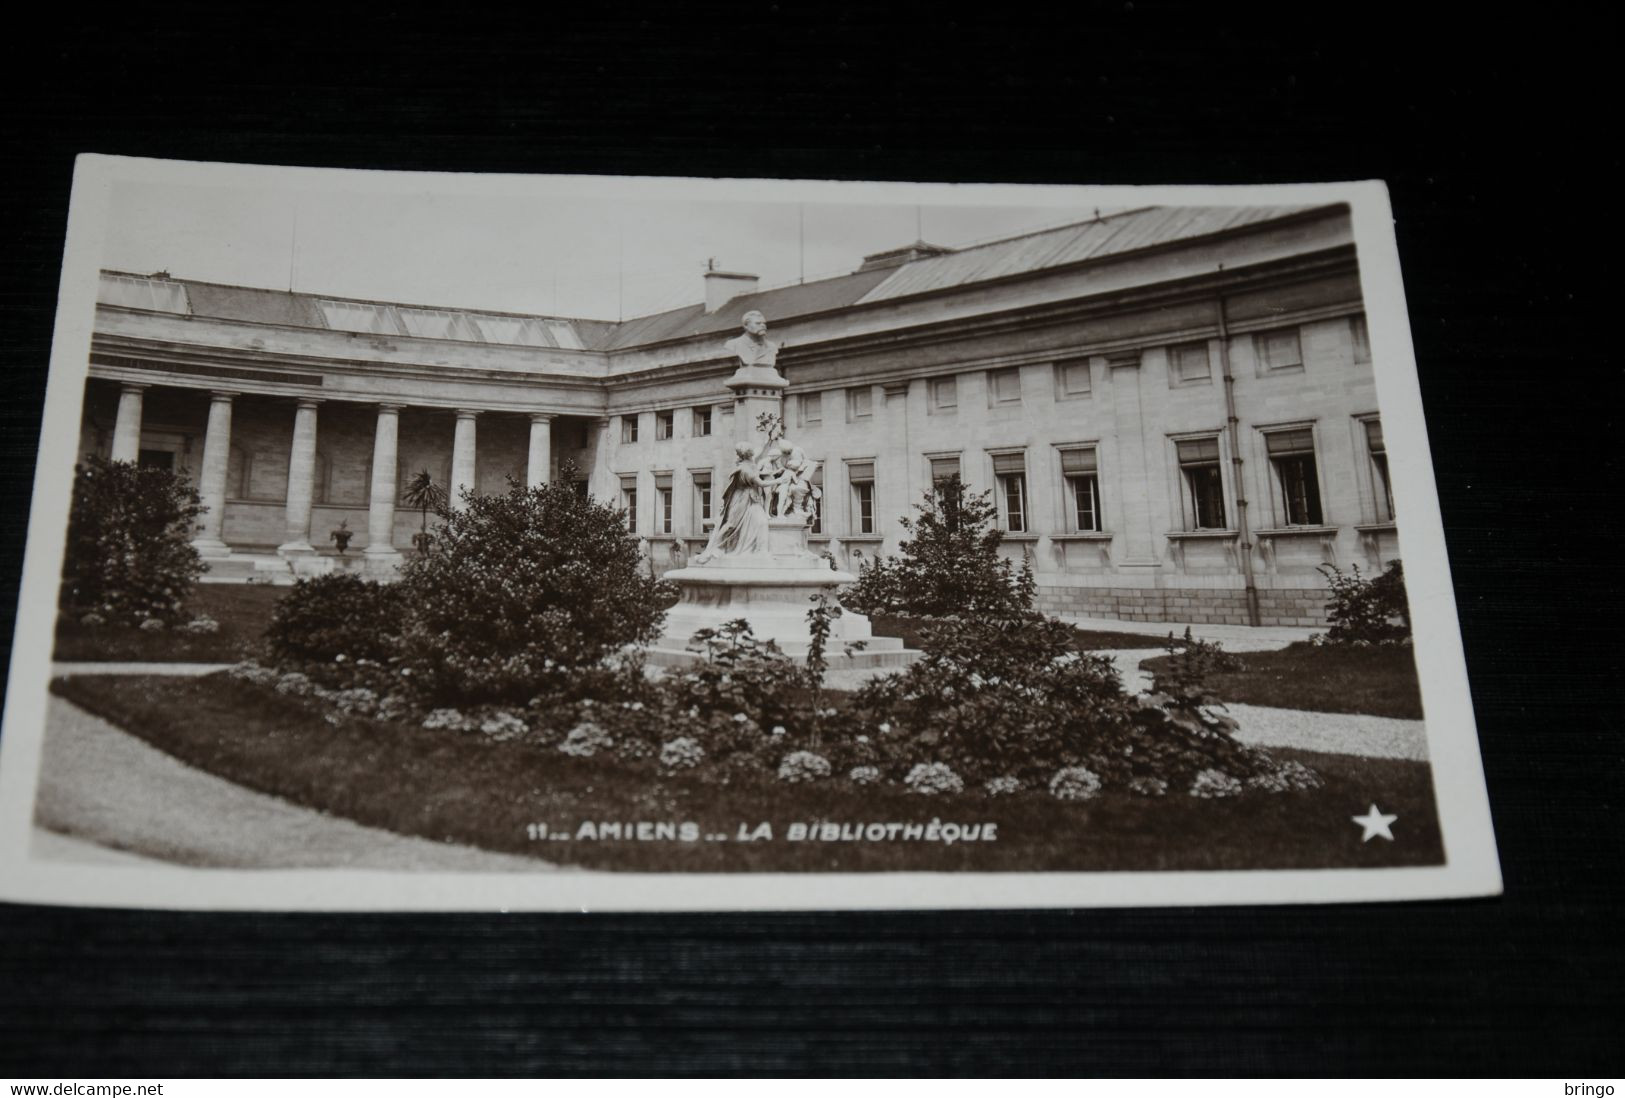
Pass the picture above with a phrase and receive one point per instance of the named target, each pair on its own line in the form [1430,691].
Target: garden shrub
[337,627]
[520,591]
[129,555]
[950,563]
[1369,609]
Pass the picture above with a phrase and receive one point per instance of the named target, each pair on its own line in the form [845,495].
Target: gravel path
[1338,733]
[100,787]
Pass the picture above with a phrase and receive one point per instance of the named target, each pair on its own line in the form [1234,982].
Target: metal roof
[1114,234]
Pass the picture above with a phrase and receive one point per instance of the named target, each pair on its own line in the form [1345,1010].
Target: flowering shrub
[92,618]
[129,555]
[152,625]
[933,778]
[295,684]
[1074,783]
[522,590]
[1373,610]
[446,718]
[863,775]
[803,766]
[1002,787]
[950,564]
[328,625]
[502,725]
[1214,783]
[358,701]
[1287,777]
[202,624]
[1148,787]
[741,675]
[249,671]
[586,740]
[683,753]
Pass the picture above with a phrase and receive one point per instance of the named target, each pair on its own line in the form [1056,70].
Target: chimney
[722,287]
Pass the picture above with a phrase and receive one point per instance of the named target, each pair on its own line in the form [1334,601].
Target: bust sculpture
[752,346]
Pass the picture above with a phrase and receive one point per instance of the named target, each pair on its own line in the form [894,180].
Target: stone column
[127,428]
[212,478]
[301,482]
[381,552]
[462,458]
[539,467]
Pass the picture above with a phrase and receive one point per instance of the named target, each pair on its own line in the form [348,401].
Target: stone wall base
[1279,606]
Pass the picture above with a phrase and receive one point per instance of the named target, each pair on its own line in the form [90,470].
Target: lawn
[461,787]
[243,611]
[1088,640]
[1378,681]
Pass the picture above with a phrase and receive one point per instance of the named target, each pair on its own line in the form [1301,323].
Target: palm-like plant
[425,495]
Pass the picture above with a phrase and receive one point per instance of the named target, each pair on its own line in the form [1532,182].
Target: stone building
[1174,408]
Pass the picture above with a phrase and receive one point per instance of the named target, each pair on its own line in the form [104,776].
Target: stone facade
[1164,423]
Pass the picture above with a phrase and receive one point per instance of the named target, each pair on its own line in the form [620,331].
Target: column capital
[542,417]
[223,395]
[390,409]
[134,386]
[467,413]
[309,402]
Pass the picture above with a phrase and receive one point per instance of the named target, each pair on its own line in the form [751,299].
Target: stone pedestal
[773,591]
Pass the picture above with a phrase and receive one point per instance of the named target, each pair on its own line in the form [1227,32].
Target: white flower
[1074,783]
[340,658]
[585,739]
[683,753]
[864,775]
[741,718]
[998,787]
[1148,787]
[863,739]
[778,729]
[933,778]
[803,766]
[885,726]
[1212,783]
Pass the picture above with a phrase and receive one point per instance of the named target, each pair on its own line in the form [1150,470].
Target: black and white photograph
[443,541]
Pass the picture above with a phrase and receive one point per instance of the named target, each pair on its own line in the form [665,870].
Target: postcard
[407,541]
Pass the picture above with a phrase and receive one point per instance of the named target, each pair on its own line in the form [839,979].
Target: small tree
[950,565]
[1372,609]
[523,588]
[129,555]
[424,495]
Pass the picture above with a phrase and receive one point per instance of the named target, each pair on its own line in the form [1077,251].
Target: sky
[567,256]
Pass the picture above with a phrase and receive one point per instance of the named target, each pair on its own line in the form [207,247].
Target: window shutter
[1290,442]
[1078,461]
[1009,463]
[943,468]
[1198,449]
[859,471]
[1373,435]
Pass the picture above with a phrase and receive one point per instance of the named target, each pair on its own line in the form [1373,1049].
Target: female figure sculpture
[743,526]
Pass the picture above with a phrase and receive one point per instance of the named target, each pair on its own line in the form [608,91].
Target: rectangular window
[1081,471]
[629,501]
[811,407]
[1204,483]
[1004,386]
[1362,338]
[1292,457]
[1010,474]
[1072,378]
[1279,350]
[1379,468]
[662,503]
[860,402]
[629,428]
[1188,363]
[943,468]
[702,421]
[702,501]
[861,476]
[664,422]
[818,499]
[944,393]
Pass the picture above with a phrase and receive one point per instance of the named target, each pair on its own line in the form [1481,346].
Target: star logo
[1375,823]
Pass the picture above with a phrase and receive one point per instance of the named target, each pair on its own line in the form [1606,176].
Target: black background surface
[1503,187]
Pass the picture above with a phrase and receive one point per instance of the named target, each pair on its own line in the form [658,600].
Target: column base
[211,548]
[295,549]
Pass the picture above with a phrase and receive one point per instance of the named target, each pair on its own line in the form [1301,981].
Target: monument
[757,565]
